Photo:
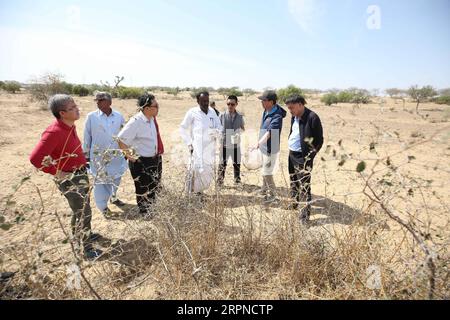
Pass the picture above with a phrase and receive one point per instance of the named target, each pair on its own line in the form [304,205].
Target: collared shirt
[140,133]
[294,139]
[99,142]
[232,124]
[61,143]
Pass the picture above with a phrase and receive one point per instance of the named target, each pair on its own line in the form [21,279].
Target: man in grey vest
[233,123]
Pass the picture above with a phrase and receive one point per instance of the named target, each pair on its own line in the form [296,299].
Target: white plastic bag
[252,159]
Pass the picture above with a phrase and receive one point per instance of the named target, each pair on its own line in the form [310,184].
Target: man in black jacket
[305,141]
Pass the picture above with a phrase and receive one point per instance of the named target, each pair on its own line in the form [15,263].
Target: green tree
[1,84]
[129,92]
[80,90]
[360,96]
[234,91]
[195,91]
[421,94]
[11,86]
[393,92]
[248,92]
[46,85]
[290,90]
[173,91]
[330,98]
[345,96]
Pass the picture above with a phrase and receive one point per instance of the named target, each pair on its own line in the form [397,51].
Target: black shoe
[4,276]
[92,254]
[119,203]
[237,181]
[94,236]
[201,197]
[304,215]
[292,206]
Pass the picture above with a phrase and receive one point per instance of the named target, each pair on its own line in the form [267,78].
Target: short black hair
[233,97]
[202,93]
[296,98]
[145,100]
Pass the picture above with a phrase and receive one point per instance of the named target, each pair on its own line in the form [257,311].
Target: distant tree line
[48,84]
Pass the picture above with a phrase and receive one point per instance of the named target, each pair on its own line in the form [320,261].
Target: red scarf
[160,143]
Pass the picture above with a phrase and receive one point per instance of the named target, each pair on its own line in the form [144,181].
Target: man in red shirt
[60,153]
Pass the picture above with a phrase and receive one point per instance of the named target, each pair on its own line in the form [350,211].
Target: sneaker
[107,213]
[92,254]
[118,202]
[149,215]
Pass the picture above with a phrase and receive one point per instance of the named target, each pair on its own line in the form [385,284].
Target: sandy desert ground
[417,146]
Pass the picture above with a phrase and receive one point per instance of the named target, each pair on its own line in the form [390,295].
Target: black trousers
[76,191]
[300,177]
[235,153]
[146,173]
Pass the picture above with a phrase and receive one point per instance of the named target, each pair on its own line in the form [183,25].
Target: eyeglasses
[74,108]
[149,100]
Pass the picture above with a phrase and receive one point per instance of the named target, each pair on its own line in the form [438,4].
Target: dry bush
[234,247]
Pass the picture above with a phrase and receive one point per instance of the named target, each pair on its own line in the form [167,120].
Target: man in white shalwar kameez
[201,130]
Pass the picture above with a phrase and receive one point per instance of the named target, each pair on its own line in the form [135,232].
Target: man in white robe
[201,130]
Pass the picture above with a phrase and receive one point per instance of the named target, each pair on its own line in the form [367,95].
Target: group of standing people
[110,143]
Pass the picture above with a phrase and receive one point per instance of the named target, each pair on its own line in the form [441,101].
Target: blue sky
[248,43]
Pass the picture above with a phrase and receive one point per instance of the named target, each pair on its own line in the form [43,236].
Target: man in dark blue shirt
[269,142]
